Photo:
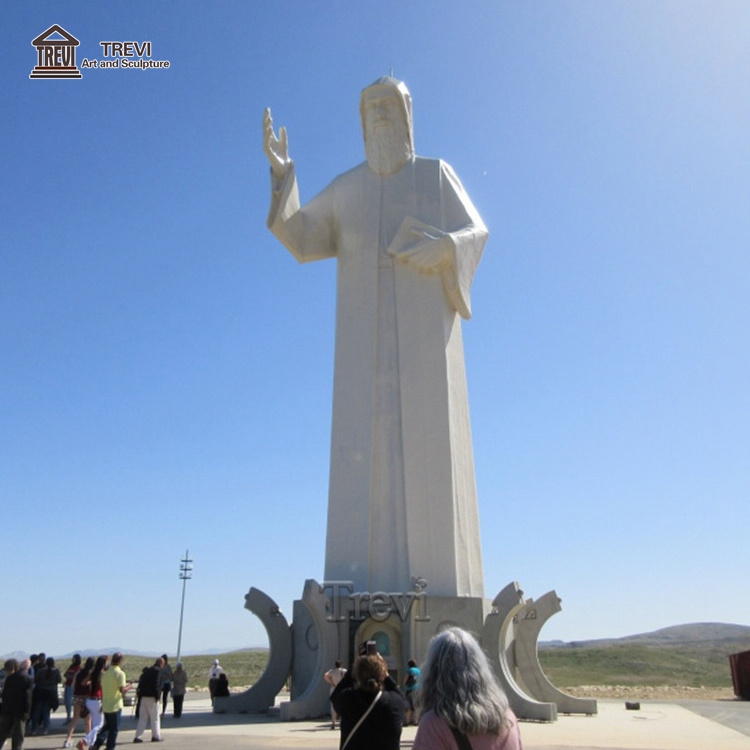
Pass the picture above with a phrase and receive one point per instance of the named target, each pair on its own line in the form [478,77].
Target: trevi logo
[56,54]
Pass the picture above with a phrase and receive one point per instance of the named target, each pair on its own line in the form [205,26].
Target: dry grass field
[674,663]
[243,668]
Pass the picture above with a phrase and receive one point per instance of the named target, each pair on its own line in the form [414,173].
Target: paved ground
[689,725]
[732,714]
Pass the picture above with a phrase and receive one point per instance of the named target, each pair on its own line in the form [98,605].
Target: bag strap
[461,739]
[362,718]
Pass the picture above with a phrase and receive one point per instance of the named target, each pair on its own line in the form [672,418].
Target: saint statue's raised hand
[276,149]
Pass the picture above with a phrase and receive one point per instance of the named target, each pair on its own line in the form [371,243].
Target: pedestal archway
[387,636]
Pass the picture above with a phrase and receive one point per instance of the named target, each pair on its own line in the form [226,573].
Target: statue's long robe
[402,495]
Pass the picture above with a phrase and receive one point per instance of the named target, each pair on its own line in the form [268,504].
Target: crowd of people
[455,699]
[94,693]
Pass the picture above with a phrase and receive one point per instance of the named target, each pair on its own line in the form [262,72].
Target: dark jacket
[46,681]
[17,695]
[222,687]
[381,730]
[148,684]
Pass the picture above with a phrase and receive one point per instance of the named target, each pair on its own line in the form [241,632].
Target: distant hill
[694,656]
[19,655]
[705,634]
[714,635]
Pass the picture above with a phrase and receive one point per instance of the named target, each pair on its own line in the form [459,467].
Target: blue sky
[166,367]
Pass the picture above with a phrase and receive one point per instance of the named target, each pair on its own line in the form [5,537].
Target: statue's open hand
[276,149]
[424,248]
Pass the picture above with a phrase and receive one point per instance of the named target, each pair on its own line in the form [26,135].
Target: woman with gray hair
[463,705]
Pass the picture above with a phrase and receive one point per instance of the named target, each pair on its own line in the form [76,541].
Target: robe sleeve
[308,231]
[468,236]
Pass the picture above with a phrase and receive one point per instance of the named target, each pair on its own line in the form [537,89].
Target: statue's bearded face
[387,142]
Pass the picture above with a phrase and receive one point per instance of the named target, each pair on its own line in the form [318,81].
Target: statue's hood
[393,86]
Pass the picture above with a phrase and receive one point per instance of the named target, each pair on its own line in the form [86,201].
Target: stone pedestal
[331,620]
[329,623]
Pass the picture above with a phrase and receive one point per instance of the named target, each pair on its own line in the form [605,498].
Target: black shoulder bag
[461,739]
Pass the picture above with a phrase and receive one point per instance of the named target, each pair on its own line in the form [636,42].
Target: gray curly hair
[459,685]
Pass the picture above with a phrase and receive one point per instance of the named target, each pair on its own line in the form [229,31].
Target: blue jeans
[40,715]
[68,701]
[109,731]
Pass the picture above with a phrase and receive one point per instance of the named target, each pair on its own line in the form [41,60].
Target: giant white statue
[407,241]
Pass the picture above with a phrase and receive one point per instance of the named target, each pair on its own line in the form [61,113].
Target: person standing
[114,687]
[80,695]
[16,702]
[36,662]
[222,686]
[333,677]
[94,703]
[213,678]
[461,699]
[32,663]
[180,679]
[165,683]
[148,714]
[44,698]
[70,674]
[370,705]
[411,685]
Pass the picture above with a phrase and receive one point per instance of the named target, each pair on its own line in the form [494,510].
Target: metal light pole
[186,573]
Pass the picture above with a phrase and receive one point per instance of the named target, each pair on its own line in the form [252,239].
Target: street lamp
[186,573]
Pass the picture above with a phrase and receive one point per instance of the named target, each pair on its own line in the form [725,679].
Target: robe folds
[402,495]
